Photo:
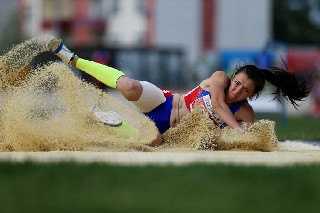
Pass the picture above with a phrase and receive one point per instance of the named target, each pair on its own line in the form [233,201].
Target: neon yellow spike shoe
[57,46]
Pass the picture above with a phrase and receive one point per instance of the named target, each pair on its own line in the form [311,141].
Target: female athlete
[224,98]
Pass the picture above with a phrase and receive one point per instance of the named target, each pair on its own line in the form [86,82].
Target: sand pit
[45,117]
[288,153]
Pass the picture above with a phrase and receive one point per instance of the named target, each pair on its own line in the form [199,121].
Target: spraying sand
[47,109]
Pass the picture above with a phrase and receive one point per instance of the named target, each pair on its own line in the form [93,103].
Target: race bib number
[206,102]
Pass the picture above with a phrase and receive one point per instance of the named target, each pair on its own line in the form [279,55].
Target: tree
[296,21]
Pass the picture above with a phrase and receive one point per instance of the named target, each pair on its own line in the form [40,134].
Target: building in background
[196,26]
[81,22]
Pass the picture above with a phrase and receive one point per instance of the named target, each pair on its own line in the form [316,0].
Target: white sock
[64,53]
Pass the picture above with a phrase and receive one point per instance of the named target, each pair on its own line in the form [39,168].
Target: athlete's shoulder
[219,81]
[220,74]
[217,76]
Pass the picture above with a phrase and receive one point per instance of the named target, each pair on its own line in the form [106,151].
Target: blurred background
[177,43]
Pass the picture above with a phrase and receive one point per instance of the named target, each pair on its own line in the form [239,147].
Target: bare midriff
[179,109]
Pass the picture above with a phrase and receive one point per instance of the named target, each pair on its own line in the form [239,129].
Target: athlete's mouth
[233,95]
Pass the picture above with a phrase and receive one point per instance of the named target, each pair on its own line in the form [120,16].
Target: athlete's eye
[237,82]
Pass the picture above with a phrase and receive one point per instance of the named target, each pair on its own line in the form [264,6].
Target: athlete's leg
[144,95]
[130,88]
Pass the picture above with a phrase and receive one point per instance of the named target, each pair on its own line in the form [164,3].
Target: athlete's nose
[237,91]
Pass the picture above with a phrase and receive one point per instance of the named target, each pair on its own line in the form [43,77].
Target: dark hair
[286,83]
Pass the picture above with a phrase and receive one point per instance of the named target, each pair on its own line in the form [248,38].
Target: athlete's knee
[131,89]
[126,83]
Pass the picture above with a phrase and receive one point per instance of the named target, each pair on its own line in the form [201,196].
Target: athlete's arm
[218,82]
[245,113]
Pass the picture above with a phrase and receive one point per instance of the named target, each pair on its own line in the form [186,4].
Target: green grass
[68,187]
[306,128]
[74,187]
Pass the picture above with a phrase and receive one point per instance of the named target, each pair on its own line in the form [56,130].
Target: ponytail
[287,84]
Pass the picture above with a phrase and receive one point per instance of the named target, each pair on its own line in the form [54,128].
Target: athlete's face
[241,87]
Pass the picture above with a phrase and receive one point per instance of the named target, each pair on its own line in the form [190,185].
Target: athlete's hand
[240,130]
